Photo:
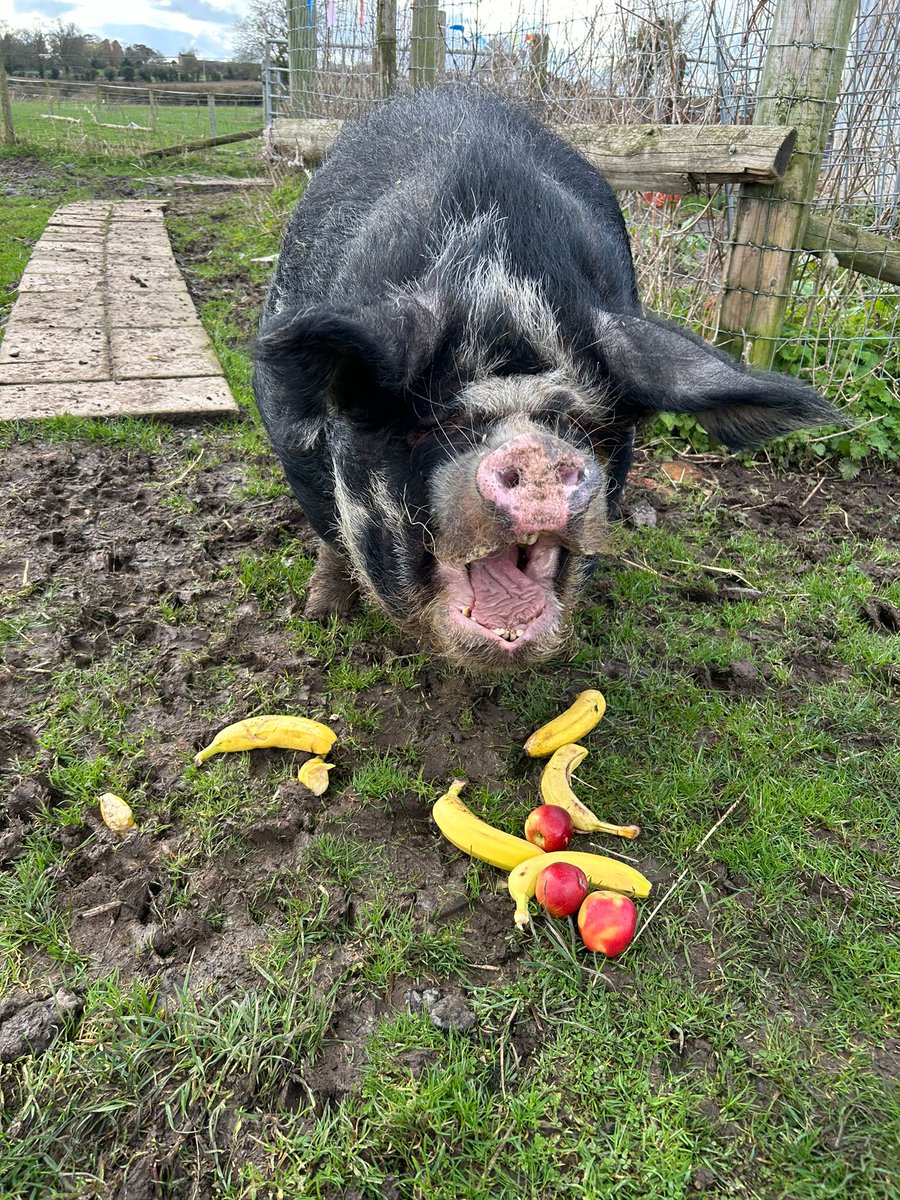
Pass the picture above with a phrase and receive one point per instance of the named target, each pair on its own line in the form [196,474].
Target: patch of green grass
[383,776]
[193,1063]
[277,578]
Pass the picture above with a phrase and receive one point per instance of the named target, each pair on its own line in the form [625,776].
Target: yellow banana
[470,834]
[262,733]
[579,718]
[116,814]
[556,788]
[601,872]
[314,775]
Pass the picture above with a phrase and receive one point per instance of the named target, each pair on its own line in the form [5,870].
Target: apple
[561,888]
[606,922]
[549,827]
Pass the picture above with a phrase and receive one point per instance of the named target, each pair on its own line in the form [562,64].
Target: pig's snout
[538,484]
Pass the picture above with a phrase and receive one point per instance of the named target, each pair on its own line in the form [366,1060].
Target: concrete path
[104,325]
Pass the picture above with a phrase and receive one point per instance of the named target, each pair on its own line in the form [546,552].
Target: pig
[451,365]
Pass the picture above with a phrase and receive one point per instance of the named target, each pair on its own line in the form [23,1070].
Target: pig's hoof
[332,591]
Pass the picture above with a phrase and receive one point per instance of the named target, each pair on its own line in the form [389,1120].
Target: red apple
[549,827]
[561,889]
[606,922]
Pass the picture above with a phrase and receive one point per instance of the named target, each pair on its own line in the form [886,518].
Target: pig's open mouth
[509,598]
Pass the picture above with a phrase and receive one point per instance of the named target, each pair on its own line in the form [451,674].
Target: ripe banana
[314,775]
[578,719]
[556,788]
[470,834]
[601,872]
[116,814]
[262,733]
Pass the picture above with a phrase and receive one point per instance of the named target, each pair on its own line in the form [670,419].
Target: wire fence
[103,116]
[691,62]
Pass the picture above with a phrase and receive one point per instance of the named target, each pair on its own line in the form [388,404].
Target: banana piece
[556,788]
[579,718]
[314,775]
[116,814]
[470,834]
[262,733]
[601,872]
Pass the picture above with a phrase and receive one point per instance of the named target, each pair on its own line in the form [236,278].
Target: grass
[741,1048]
[85,127]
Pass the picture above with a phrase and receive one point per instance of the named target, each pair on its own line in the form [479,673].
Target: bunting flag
[362,12]
[329,14]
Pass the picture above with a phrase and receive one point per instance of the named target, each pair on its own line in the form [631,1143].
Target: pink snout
[539,485]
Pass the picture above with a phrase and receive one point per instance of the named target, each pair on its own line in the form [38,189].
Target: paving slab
[161,353]
[104,324]
[134,397]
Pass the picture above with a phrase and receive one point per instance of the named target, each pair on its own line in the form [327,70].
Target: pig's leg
[620,452]
[332,591]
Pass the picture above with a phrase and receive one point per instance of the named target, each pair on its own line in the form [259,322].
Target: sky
[167,25]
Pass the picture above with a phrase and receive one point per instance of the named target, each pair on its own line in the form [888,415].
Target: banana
[261,733]
[556,788]
[116,814]
[600,871]
[314,775]
[470,834]
[579,718]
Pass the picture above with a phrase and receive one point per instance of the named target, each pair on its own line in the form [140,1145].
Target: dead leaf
[680,472]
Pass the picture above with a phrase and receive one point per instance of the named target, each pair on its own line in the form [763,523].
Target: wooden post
[423,44]
[9,135]
[301,55]
[211,105]
[386,45]
[153,113]
[539,75]
[440,48]
[799,86]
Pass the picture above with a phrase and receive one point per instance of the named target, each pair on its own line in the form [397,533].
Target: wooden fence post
[151,96]
[211,105]
[301,55]
[423,44]
[539,75]
[9,136]
[386,45]
[799,86]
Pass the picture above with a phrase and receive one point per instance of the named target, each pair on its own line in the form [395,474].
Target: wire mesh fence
[689,62]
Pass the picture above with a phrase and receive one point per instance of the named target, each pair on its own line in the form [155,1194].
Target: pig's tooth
[529,539]
[520,633]
[466,612]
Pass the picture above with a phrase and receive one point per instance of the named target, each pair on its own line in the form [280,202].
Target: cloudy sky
[166,25]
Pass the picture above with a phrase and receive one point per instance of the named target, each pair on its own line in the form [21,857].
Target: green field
[242,972]
[85,127]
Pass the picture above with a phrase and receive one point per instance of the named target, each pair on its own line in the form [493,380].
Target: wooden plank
[136,398]
[680,159]
[799,84]
[854,248]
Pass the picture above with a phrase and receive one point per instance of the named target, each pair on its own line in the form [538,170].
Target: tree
[69,47]
[266,21]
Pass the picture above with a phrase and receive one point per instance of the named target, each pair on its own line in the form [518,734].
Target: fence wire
[691,62]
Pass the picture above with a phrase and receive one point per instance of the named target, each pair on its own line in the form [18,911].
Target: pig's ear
[654,368]
[326,357]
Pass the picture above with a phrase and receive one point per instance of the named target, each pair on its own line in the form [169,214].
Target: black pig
[451,366]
